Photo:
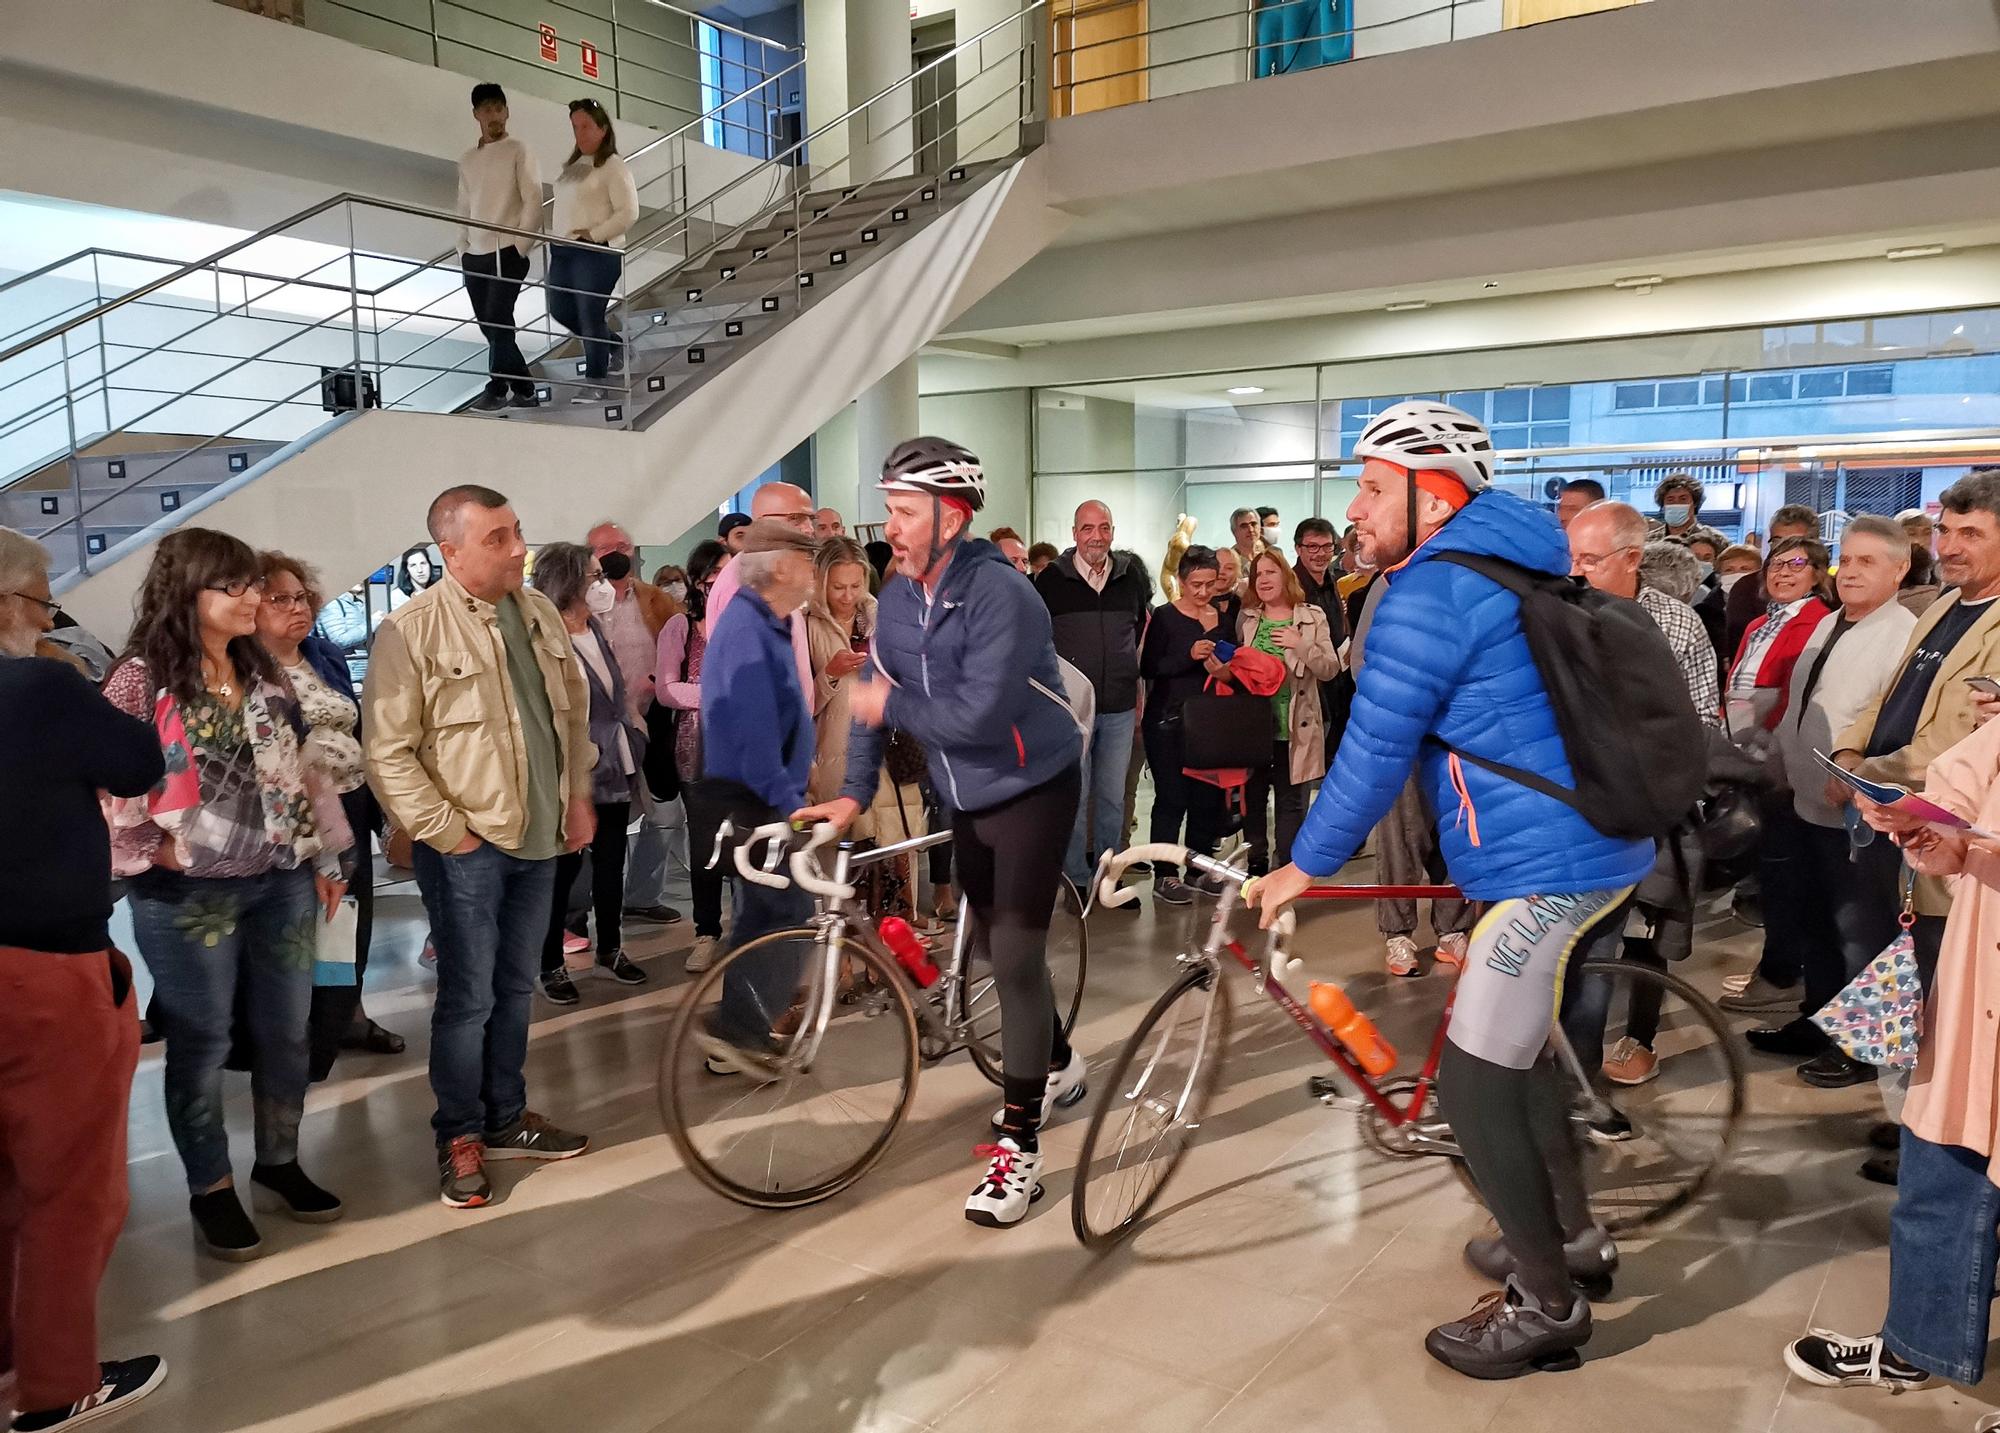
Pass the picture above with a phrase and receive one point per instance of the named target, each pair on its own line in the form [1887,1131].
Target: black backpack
[1629,728]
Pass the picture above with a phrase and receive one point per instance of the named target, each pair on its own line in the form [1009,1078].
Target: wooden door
[1099,50]
[1534,12]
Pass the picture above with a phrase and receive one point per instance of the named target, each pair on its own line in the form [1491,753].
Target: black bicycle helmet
[936,466]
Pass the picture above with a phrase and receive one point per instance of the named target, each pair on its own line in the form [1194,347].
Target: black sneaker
[1836,1361]
[489,403]
[224,1227]
[1611,1128]
[1508,1334]
[618,965]
[1591,1258]
[1883,1168]
[1833,1070]
[1799,1039]
[462,1181]
[286,1186]
[524,400]
[659,915]
[122,1382]
[532,1137]
[558,988]
[1172,891]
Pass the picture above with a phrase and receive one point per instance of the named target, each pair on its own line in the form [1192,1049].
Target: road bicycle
[802,1121]
[1648,1150]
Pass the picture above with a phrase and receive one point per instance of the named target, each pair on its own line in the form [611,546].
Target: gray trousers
[1406,854]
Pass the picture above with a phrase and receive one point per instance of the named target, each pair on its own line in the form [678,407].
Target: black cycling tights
[1009,862]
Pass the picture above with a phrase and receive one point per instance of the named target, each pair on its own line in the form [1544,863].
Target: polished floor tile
[1284,1279]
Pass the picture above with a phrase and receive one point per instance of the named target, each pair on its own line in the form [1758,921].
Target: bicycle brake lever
[723,834]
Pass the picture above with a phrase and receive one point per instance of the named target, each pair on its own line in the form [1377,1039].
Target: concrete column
[883,417]
[881,138]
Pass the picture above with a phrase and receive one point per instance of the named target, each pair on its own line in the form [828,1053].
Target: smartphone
[858,642]
[1988,685]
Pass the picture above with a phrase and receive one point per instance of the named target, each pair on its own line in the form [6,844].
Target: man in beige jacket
[476,720]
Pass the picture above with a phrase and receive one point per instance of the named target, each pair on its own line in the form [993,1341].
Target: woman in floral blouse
[233,862]
[317,670]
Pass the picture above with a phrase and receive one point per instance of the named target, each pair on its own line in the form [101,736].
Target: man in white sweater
[498,184]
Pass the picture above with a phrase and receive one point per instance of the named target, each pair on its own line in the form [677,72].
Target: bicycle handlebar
[1115,865]
[775,832]
[805,866]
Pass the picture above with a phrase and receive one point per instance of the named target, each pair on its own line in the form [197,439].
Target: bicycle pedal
[1326,1089]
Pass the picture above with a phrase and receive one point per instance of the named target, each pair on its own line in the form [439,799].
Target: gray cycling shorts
[1511,990]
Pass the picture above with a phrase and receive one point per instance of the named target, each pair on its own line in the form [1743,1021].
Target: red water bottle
[1353,1029]
[909,949]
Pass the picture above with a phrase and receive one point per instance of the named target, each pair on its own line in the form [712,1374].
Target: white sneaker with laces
[1066,1087]
[707,950]
[1011,1183]
[1402,955]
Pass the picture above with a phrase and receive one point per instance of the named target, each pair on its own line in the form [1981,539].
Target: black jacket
[1333,700]
[1098,632]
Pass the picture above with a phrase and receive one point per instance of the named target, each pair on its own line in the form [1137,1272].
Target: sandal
[365,1034]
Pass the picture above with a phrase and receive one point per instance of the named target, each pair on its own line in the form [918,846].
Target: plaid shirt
[1692,650]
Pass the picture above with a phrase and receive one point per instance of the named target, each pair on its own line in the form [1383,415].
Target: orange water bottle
[1353,1029]
[909,949]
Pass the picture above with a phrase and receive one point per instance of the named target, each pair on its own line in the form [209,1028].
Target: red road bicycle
[1648,1149]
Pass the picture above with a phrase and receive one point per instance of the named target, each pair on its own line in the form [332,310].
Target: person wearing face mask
[574,581]
[1710,601]
[1734,563]
[672,581]
[1678,498]
[1273,528]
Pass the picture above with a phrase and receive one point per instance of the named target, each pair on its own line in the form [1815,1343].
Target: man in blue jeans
[757,751]
[1098,601]
[478,745]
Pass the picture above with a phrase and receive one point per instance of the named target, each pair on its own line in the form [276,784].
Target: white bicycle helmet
[936,466]
[1431,436]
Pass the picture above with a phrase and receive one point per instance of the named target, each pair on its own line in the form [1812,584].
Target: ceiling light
[1245,391]
[1407,305]
[1641,282]
[1916,251]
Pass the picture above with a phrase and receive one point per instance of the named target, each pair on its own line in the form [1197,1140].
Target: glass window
[1866,382]
[1355,413]
[1550,403]
[1473,403]
[1822,385]
[1633,395]
[1551,435]
[1510,439]
[1681,393]
[1712,390]
[1510,405]
[1771,388]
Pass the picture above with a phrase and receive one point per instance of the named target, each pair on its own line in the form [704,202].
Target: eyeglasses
[1789,564]
[1317,548]
[796,519]
[54,609]
[286,601]
[1591,561]
[240,586]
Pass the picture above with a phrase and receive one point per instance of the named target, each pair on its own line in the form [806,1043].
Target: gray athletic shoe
[1591,1258]
[1508,1334]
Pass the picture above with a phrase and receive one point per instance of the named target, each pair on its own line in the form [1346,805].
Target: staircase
[740,336]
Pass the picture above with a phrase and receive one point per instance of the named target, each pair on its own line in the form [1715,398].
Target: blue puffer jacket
[1446,657]
[976,683]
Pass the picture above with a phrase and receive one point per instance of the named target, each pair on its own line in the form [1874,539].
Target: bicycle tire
[1101,1235]
[1639,1209]
[985,1050]
[681,1063]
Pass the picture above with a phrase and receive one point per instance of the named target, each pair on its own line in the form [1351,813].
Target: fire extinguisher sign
[549,52]
[589,58]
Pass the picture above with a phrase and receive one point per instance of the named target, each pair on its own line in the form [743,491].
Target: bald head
[1606,543]
[1092,531]
[785,502]
[827,523]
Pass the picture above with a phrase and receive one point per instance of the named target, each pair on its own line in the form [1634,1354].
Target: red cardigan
[1783,654]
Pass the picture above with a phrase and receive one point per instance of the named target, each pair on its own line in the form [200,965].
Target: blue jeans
[1100,815]
[488,913]
[581,282]
[1942,1249]
[757,992]
[204,940]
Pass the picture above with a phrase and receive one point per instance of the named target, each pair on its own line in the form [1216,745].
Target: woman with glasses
[317,670]
[1795,588]
[596,201]
[233,863]
[683,641]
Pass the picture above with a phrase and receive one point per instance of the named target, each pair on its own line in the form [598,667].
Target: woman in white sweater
[596,200]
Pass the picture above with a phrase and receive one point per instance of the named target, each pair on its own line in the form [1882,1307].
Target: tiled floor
[1286,1283]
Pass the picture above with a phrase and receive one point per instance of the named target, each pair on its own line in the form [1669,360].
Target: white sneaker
[1066,1087]
[1402,955]
[707,950]
[1011,1183]
[1453,949]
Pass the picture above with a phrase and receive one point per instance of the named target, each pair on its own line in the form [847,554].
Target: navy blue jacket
[1446,657]
[974,667]
[755,728]
[329,661]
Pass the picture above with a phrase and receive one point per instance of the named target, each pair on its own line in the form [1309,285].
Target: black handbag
[663,776]
[1224,730]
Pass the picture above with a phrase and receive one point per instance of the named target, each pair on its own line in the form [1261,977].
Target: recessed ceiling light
[1406,305]
[1916,251]
[1245,391]
[1642,282]
[1492,283]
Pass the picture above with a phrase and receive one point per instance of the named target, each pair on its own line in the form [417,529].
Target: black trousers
[1274,782]
[607,885]
[493,282]
[1177,797]
[707,885]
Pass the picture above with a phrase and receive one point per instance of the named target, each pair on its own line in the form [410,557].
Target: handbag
[333,959]
[1222,728]
[1877,1018]
[904,757]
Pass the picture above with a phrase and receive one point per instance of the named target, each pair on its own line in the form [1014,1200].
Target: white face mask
[1676,514]
[1271,535]
[1706,569]
[600,597]
[678,591]
[1730,579]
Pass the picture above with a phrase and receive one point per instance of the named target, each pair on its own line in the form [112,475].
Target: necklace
[217,683]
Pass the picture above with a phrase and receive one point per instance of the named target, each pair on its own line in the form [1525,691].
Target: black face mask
[616,565]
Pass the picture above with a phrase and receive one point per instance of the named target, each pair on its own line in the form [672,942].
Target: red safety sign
[589,58]
[549,52]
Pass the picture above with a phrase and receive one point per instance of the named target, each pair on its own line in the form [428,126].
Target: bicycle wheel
[978,1001]
[1648,1150]
[1150,1107]
[828,1111]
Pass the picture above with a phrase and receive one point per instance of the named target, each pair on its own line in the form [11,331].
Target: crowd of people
[552,751]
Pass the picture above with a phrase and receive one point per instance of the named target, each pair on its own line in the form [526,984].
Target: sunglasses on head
[590,107]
